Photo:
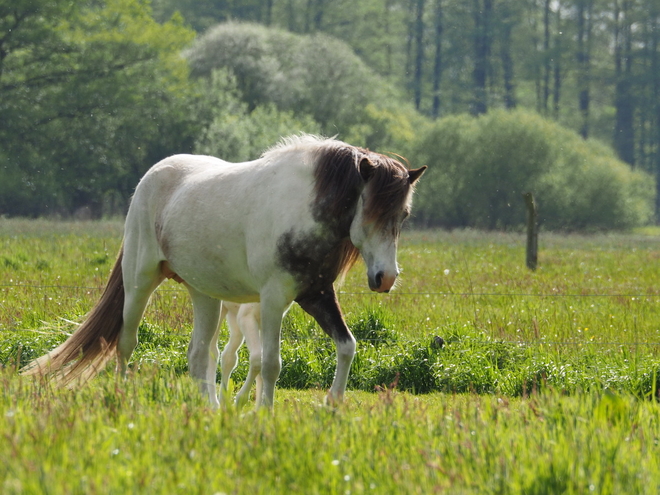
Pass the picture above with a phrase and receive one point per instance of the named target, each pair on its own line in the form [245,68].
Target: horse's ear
[414,175]
[366,168]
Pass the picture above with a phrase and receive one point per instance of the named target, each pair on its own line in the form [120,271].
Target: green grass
[153,434]
[588,318]
[541,385]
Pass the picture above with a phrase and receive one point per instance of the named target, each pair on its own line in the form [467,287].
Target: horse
[243,321]
[275,230]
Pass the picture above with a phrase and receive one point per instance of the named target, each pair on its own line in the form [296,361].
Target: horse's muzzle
[382,282]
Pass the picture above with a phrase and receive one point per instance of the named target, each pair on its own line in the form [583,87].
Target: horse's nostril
[379,278]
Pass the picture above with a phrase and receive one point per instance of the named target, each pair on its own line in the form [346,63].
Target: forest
[499,97]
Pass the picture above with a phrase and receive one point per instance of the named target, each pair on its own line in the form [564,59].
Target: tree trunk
[532,16]
[556,93]
[419,53]
[482,16]
[507,60]
[411,35]
[388,42]
[546,56]
[308,16]
[655,77]
[291,11]
[268,17]
[318,14]
[437,64]
[624,132]
[584,12]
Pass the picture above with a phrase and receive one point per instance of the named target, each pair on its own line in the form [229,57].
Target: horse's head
[384,204]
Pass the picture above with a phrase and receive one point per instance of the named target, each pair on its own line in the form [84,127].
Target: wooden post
[532,232]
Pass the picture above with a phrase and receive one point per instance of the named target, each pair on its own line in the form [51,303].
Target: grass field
[542,385]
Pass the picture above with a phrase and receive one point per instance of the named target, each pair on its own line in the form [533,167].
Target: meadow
[475,375]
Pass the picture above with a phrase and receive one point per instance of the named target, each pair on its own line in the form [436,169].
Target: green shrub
[480,167]
[373,328]
[236,133]
[313,75]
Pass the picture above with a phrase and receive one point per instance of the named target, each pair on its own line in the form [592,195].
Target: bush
[316,78]
[373,328]
[237,134]
[480,167]
[588,188]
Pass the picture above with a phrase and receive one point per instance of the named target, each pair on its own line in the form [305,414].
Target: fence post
[532,231]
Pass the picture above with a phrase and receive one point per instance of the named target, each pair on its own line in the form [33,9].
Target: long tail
[93,344]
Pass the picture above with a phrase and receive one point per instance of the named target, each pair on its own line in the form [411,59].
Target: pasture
[543,384]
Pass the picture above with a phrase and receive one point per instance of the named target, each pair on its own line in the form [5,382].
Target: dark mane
[338,185]
[337,180]
[388,190]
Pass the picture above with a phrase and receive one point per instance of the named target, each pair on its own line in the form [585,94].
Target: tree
[437,62]
[309,75]
[624,130]
[419,52]
[507,17]
[482,12]
[547,60]
[557,68]
[584,26]
[85,95]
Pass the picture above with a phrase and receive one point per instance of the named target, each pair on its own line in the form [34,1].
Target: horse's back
[171,172]
[218,223]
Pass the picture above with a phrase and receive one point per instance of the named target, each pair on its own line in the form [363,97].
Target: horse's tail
[93,344]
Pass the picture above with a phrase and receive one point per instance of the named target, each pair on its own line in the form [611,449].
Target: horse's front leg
[324,307]
[273,307]
[203,349]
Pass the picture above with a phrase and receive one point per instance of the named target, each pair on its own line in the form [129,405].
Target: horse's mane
[302,141]
[389,189]
[338,184]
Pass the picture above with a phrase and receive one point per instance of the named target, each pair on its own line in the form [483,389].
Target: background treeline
[499,97]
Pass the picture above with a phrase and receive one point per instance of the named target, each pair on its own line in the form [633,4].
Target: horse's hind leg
[139,284]
[212,367]
[201,357]
[248,323]
[229,358]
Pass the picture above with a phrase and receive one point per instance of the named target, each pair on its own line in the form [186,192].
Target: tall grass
[153,434]
[588,318]
[544,377]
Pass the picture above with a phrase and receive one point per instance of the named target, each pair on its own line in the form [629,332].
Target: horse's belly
[214,281]
[227,289]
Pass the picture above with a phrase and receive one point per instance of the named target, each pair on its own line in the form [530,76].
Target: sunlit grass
[153,434]
[587,318]
[545,377]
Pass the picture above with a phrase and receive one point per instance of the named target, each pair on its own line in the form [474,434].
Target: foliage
[480,167]
[238,134]
[315,76]
[94,94]
[87,93]
[590,66]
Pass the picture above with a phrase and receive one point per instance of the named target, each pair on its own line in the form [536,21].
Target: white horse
[274,230]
